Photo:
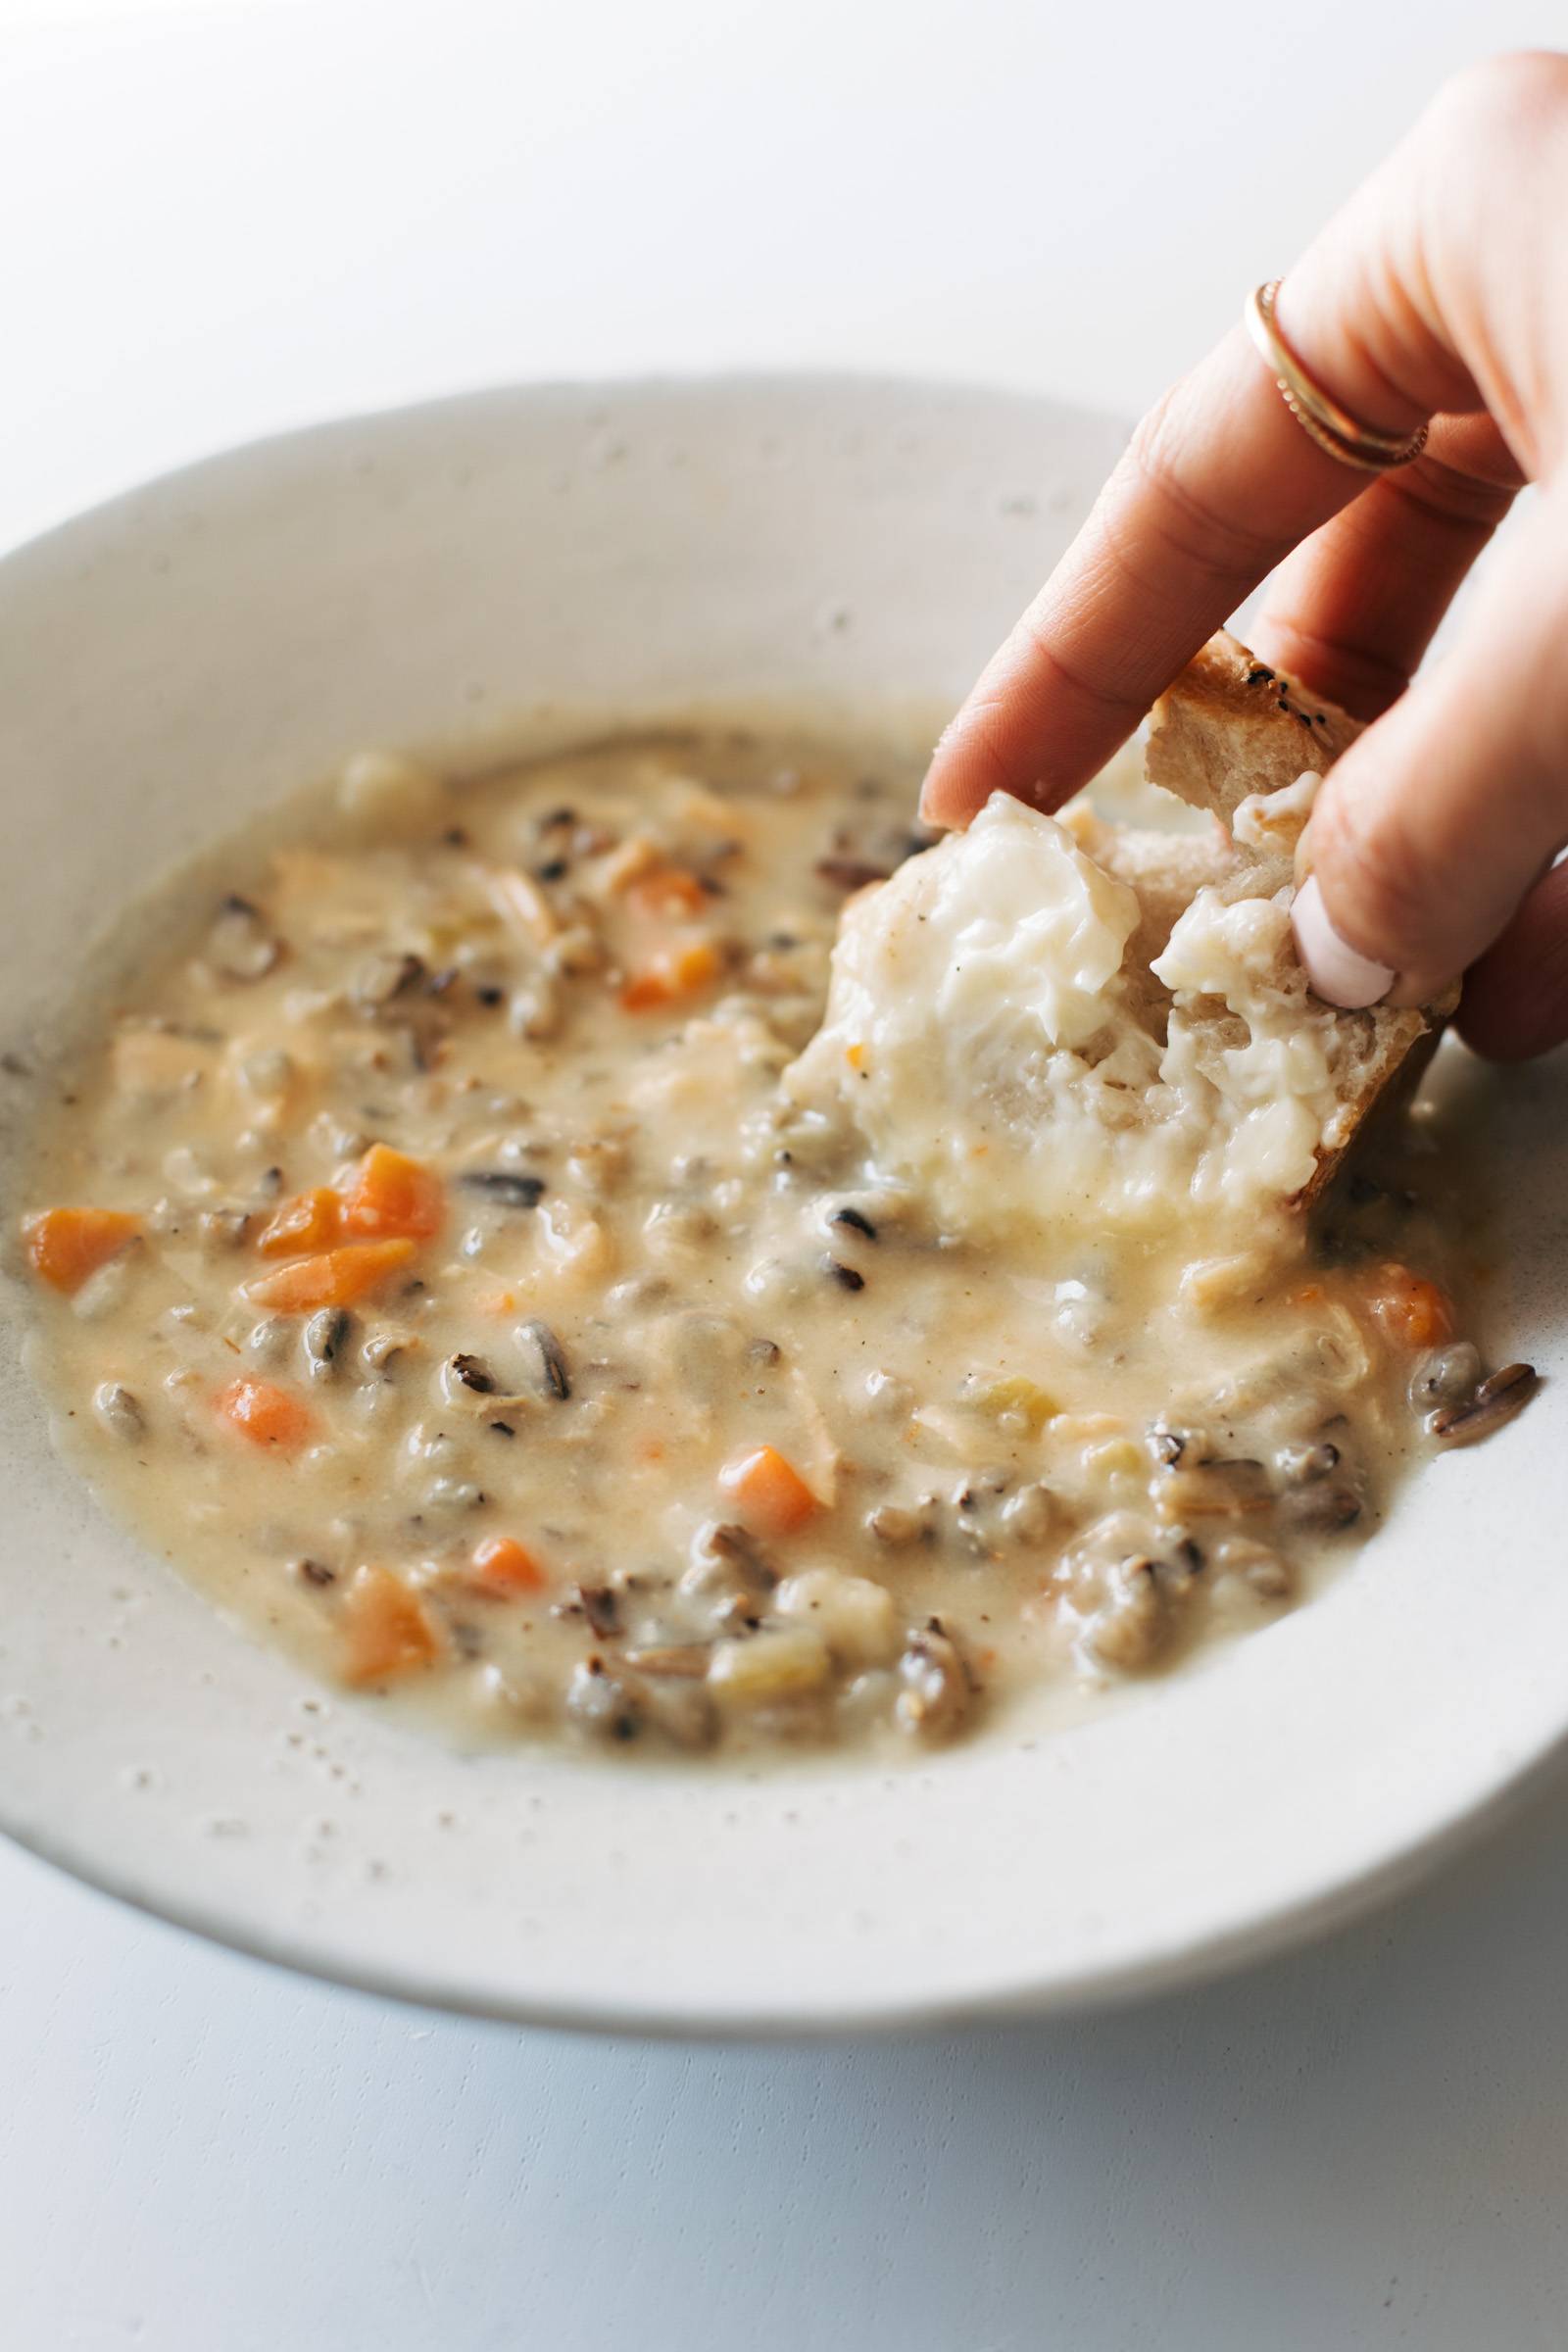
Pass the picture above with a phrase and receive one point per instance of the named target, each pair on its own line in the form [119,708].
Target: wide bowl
[512,567]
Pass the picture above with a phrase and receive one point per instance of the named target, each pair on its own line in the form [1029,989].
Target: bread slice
[1059,1025]
[1231,726]
[1236,737]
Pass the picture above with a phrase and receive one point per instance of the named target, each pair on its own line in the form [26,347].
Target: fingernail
[1337,972]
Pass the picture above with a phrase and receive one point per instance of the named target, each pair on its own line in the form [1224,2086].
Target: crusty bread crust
[1383,1095]
[1231,726]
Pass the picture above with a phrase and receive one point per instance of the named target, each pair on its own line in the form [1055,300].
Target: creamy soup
[442,1259]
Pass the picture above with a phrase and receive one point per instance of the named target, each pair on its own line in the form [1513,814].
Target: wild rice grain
[857,1223]
[502,1187]
[118,1411]
[553,1378]
[1496,1402]
[325,1336]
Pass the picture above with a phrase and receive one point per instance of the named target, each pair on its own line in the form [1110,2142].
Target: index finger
[1217,484]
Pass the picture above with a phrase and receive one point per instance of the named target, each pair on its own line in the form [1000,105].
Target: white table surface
[222,218]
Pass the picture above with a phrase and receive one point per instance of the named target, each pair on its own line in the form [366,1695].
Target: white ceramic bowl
[515,564]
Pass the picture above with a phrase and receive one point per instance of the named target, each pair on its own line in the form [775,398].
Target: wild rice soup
[440,1275]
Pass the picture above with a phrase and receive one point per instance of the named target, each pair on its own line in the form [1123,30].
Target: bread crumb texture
[1060,1023]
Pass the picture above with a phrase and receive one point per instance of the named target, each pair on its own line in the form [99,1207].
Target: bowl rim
[568,392]
[1178,1967]
[1179,1960]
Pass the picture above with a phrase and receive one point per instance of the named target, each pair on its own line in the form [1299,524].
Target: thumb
[1436,822]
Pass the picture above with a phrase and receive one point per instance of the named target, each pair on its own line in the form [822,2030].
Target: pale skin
[1439,290]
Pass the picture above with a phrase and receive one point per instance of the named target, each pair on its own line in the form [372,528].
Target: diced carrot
[333,1278]
[66,1245]
[506,1566]
[266,1415]
[768,1492]
[668,891]
[393,1195]
[682,969]
[311,1220]
[387,1629]
[1311,1294]
[1408,1309]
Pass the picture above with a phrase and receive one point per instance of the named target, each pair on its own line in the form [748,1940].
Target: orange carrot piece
[506,1566]
[311,1220]
[768,1492]
[387,1629]
[393,1195]
[333,1278]
[66,1244]
[667,891]
[683,970]
[1408,1309]
[266,1415]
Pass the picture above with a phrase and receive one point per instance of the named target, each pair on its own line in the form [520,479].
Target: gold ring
[1317,412]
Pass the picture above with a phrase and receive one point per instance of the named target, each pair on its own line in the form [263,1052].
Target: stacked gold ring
[1317,412]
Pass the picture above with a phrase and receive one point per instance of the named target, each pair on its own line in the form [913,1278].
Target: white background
[219,219]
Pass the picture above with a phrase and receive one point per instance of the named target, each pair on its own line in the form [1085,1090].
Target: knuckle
[1051,664]
[1449,495]
[1474,449]
[1186,526]
[1519,91]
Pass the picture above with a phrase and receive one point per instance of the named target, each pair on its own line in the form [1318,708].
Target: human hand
[1441,290]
